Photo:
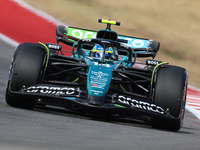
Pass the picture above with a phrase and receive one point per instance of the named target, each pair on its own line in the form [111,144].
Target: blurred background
[173,23]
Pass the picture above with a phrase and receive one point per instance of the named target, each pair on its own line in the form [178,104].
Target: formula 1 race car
[102,77]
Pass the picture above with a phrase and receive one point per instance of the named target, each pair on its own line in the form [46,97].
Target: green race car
[101,77]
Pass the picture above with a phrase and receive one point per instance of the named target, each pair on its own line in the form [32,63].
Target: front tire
[26,70]
[170,93]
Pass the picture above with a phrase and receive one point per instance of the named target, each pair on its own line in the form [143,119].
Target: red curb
[23,25]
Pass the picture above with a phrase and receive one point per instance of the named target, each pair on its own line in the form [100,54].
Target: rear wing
[142,47]
[133,42]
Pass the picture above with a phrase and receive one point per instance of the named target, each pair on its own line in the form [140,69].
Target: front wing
[70,97]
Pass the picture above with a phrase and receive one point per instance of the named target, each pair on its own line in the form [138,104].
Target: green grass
[176,24]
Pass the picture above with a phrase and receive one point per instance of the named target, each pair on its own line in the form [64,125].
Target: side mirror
[61,31]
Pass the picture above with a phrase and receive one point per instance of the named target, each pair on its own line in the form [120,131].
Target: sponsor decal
[11,66]
[86,40]
[99,74]
[97,85]
[96,92]
[140,104]
[138,43]
[153,62]
[50,90]
[99,79]
[54,46]
[81,34]
[106,65]
[124,45]
[134,42]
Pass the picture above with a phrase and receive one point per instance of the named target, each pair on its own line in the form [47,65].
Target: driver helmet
[97,52]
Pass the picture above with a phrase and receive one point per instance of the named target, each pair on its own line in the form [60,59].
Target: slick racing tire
[170,93]
[26,70]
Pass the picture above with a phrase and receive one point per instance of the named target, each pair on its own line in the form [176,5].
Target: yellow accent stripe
[155,70]
[75,80]
[122,87]
[119,105]
[102,51]
[107,21]
[97,51]
[47,52]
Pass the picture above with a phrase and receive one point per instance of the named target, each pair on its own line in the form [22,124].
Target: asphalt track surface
[54,128]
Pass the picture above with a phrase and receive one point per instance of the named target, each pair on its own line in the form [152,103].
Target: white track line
[39,12]
[8,40]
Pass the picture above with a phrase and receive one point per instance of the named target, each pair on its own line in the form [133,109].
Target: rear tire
[170,93]
[26,70]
